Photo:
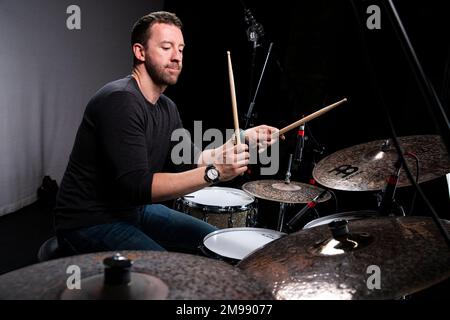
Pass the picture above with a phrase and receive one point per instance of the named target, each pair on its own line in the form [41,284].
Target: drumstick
[233,100]
[308,118]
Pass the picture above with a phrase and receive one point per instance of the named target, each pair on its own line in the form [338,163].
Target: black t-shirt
[122,141]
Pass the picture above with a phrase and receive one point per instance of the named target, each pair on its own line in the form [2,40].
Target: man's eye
[166,48]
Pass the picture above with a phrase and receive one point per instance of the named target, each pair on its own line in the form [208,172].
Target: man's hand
[231,160]
[262,136]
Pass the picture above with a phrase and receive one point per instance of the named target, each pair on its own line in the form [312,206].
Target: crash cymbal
[279,191]
[366,167]
[380,258]
[171,276]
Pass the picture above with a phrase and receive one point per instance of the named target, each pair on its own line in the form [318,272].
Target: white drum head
[237,243]
[220,197]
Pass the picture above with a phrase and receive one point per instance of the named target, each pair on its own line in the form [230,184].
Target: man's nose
[176,55]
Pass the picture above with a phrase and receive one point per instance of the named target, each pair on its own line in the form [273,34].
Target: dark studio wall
[318,57]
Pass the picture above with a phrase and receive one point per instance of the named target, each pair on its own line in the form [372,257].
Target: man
[117,168]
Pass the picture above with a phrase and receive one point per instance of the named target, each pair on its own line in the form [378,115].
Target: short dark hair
[141,29]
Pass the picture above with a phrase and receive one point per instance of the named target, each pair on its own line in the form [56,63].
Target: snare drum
[222,207]
[351,215]
[232,245]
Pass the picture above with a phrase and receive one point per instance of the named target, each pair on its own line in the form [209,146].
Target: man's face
[164,54]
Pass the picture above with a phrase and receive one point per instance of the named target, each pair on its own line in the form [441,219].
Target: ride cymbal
[366,167]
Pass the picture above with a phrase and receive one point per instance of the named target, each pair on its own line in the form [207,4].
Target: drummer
[116,172]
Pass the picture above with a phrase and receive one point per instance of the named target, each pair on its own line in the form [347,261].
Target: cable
[336,207]
[317,213]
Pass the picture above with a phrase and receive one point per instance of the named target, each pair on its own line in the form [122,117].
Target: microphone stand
[299,146]
[249,115]
[255,31]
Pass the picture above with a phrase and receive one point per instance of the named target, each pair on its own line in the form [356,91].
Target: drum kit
[350,255]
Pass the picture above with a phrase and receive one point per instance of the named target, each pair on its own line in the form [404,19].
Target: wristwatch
[211,174]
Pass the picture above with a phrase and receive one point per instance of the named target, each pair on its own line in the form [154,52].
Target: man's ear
[139,52]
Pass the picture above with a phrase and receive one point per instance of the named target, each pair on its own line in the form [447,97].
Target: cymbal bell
[379,258]
[173,276]
[366,167]
[279,191]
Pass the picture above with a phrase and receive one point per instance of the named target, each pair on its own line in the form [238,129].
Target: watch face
[212,174]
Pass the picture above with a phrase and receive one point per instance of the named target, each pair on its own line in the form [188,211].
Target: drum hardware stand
[388,196]
[283,205]
[287,178]
[292,224]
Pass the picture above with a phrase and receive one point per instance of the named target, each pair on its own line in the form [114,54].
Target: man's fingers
[241,170]
[242,156]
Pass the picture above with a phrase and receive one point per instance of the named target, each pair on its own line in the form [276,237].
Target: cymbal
[349,215]
[389,257]
[187,277]
[366,167]
[279,191]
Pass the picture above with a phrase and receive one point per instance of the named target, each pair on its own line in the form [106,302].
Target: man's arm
[167,186]
[230,160]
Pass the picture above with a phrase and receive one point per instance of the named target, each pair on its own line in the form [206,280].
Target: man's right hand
[231,160]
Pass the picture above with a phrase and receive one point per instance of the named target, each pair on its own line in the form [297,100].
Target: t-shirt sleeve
[121,132]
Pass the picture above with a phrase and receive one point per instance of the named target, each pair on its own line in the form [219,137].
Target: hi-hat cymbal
[381,258]
[279,191]
[366,167]
[186,277]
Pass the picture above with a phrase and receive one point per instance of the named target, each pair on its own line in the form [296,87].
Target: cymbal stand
[283,205]
[387,200]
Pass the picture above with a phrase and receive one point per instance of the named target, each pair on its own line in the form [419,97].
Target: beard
[160,75]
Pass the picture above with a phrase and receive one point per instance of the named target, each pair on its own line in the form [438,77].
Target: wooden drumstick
[233,100]
[308,118]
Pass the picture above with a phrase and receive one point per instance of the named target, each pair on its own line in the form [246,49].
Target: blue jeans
[156,228]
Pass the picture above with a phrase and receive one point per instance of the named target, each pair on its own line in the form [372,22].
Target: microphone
[293,223]
[300,144]
[387,200]
[255,29]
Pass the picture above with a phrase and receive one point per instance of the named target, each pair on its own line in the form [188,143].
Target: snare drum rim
[220,209]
